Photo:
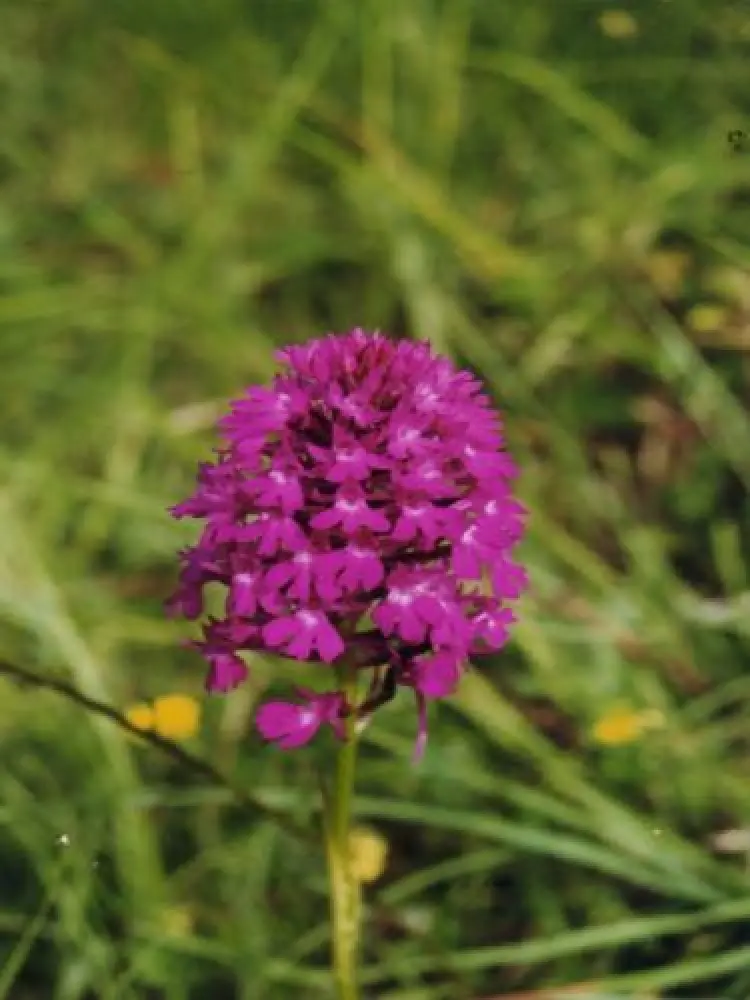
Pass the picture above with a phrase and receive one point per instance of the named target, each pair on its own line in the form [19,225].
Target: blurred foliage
[547,192]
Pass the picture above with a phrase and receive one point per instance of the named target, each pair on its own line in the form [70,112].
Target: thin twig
[197,765]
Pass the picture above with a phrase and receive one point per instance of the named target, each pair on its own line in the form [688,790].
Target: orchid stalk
[345,890]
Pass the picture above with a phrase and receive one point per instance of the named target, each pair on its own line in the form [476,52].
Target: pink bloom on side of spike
[369,485]
[227,672]
[292,725]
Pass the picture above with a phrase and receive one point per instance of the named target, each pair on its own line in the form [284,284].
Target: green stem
[345,902]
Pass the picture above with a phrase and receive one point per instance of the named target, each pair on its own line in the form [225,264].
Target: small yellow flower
[368,852]
[707,317]
[141,716]
[176,716]
[618,726]
[618,24]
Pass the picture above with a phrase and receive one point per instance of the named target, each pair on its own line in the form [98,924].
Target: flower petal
[279,631]
[438,676]
[227,672]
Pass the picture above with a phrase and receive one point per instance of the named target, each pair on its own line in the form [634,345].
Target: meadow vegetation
[546,191]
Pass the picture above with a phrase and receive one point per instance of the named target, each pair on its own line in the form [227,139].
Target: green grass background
[185,186]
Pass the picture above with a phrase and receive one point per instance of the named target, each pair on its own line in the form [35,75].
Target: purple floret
[291,725]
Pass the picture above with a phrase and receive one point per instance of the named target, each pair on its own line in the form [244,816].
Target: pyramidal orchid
[359,514]
[368,485]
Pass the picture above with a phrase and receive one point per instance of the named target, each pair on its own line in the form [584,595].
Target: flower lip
[292,724]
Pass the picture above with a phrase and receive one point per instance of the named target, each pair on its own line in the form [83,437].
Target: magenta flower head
[360,512]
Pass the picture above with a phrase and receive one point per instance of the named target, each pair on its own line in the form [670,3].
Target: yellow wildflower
[141,716]
[707,317]
[368,853]
[620,725]
[618,24]
[176,716]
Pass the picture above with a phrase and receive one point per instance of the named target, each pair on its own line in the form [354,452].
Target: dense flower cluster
[360,508]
